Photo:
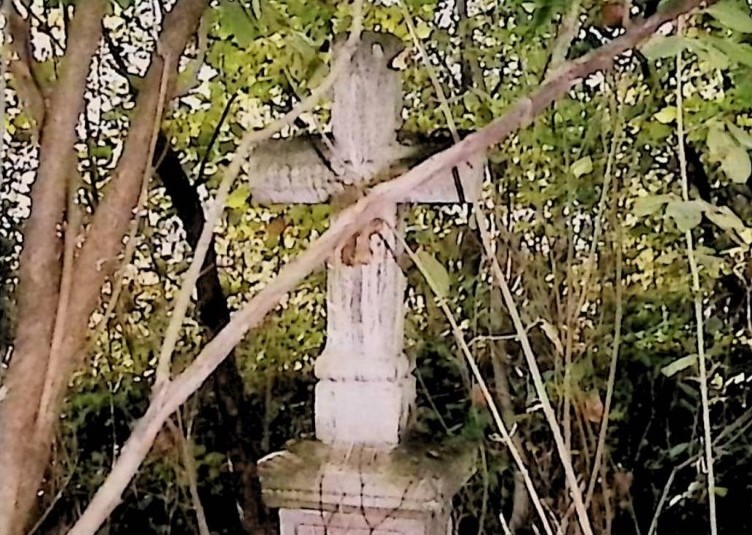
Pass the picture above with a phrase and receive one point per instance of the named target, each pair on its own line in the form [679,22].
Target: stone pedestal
[322,489]
[366,388]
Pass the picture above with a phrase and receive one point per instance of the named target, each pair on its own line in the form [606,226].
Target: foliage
[600,165]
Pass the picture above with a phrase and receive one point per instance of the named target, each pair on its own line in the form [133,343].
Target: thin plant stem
[490,402]
[540,388]
[697,294]
[617,338]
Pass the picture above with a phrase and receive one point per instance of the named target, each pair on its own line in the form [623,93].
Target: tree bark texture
[22,460]
[26,427]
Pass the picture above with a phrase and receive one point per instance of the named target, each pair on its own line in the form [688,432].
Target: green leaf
[434,272]
[583,166]
[734,159]
[650,204]
[237,198]
[719,142]
[666,115]
[101,151]
[422,30]
[732,16]
[742,136]
[721,491]
[552,334]
[678,365]
[709,53]
[686,214]
[737,165]
[736,52]
[677,450]
[236,21]
[662,46]
[724,218]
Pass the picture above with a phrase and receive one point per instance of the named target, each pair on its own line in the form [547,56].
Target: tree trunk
[27,427]
[22,460]
[239,427]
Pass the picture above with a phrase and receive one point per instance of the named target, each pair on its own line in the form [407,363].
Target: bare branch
[21,67]
[98,256]
[570,24]
[697,299]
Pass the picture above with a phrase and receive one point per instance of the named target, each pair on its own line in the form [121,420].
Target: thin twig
[183,436]
[443,103]
[504,524]
[618,315]
[202,166]
[4,40]
[662,501]
[568,28]
[540,388]
[608,176]
[520,505]
[490,402]
[130,244]
[697,294]
[55,500]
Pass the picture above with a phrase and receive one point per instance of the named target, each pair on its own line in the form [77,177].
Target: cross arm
[298,170]
[292,171]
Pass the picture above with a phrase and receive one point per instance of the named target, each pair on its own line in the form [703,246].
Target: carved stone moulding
[338,490]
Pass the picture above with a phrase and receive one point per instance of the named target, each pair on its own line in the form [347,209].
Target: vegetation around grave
[620,217]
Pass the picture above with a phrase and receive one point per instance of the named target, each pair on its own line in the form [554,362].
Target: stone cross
[365,390]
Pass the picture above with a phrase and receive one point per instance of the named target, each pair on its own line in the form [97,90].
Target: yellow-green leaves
[422,30]
[650,204]
[434,272]
[237,198]
[732,16]
[666,115]
[743,137]
[679,365]
[727,150]
[686,214]
[582,167]
[235,21]
[662,46]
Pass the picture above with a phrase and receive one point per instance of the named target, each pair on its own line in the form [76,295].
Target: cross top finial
[367,107]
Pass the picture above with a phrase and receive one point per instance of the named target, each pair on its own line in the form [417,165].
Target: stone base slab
[409,488]
[303,522]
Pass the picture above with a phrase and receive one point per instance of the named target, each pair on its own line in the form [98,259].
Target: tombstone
[357,477]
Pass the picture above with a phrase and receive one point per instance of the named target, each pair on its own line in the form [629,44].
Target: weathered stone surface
[293,171]
[374,413]
[411,478]
[304,522]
